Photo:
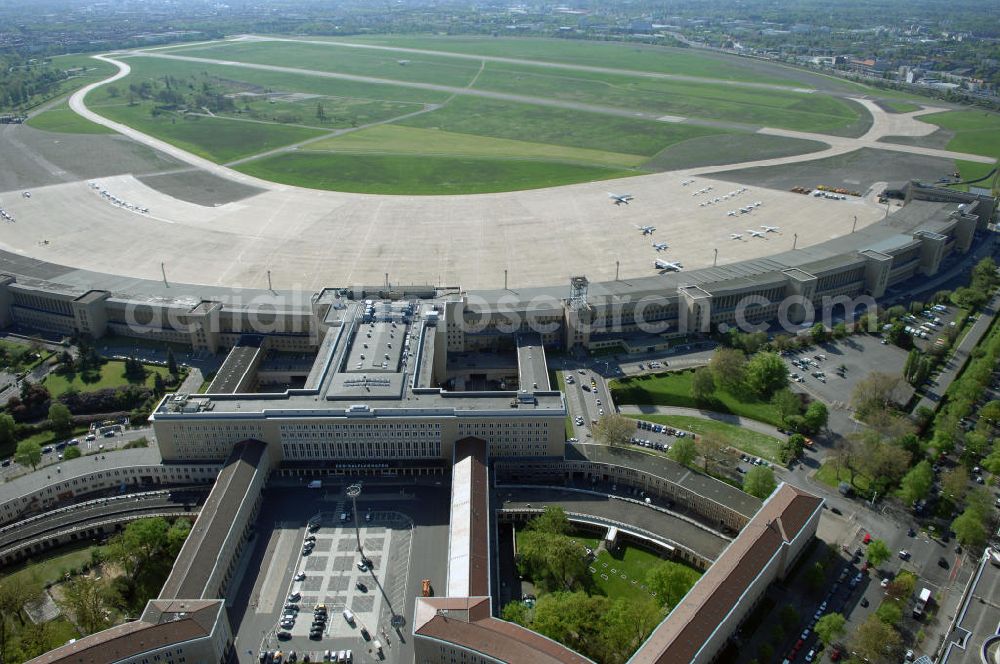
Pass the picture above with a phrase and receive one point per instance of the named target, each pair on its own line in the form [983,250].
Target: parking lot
[840,365]
[403,531]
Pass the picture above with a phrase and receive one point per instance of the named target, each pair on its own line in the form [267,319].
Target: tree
[878,552]
[158,385]
[786,403]
[830,627]
[517,612]
[552,521]
[702,385]
[766,373]
[789,616]
[13,595]
[728,365]
[141,541]
[171,362]
[916,483]
[818,333]
[876,641]
[87,599]
[670,581]
[955,483]
[891,613]
[60,418]
[873,393]
[320,113]
[759,481]
[614,429]
[839,331]
[969,529]
[181,528]
[683,451]
[816,416]
[7,427]
[711,448]
[815,576]
[29,453]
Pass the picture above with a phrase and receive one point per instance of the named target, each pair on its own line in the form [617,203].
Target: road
[99,510]
[101,444]
[932,397]
[728,418]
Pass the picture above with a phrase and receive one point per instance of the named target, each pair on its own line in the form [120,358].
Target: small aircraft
[620,199]
[755,233]
[660,246]
[732,213]
[667,266]
[744,210]
[686,182]
[736,236]
[771,229]
[646,230]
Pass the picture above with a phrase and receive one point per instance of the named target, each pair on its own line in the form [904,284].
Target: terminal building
[415,381]
[932,229]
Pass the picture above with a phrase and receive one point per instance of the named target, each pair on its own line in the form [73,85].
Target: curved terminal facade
[406,381]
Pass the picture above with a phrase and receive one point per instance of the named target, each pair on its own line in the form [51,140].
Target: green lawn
[61,119]
[415,175]
[258,81]
[976,132]
[674,389]
[218,139]
[421,68]
[728,149]
[391,139]
[557,126]
[632,562]
[51,568]
[627,565]
[713,101]
[635,57]
[827,474]
[745,440]
[112,375]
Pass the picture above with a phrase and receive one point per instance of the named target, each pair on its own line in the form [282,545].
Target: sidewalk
[955,364]
[746,423]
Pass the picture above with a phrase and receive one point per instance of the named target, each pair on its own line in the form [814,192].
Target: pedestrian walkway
[728,418]
[955,364]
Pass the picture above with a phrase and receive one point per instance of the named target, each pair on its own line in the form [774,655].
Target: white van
[348,616]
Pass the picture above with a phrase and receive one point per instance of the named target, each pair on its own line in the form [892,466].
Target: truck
[315,484]
[921,605]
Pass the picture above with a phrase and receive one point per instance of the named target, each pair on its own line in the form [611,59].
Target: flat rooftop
[240,360]
[532,369]
[978,620]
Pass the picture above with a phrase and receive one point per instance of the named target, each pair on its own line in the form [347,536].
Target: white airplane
[660,246]
[755,233]
[620,199]
[771,229]
[667,266]
[732,213]
[646,230]
[686,182]
[736,236]
[744,210]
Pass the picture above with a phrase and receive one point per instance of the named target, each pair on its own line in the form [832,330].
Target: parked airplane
[771,229]
[667,266]
[755,233]
[686,182]
[744,210]
[660,246]
[620,199]
[736,236]
[732,213]
[646,230]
